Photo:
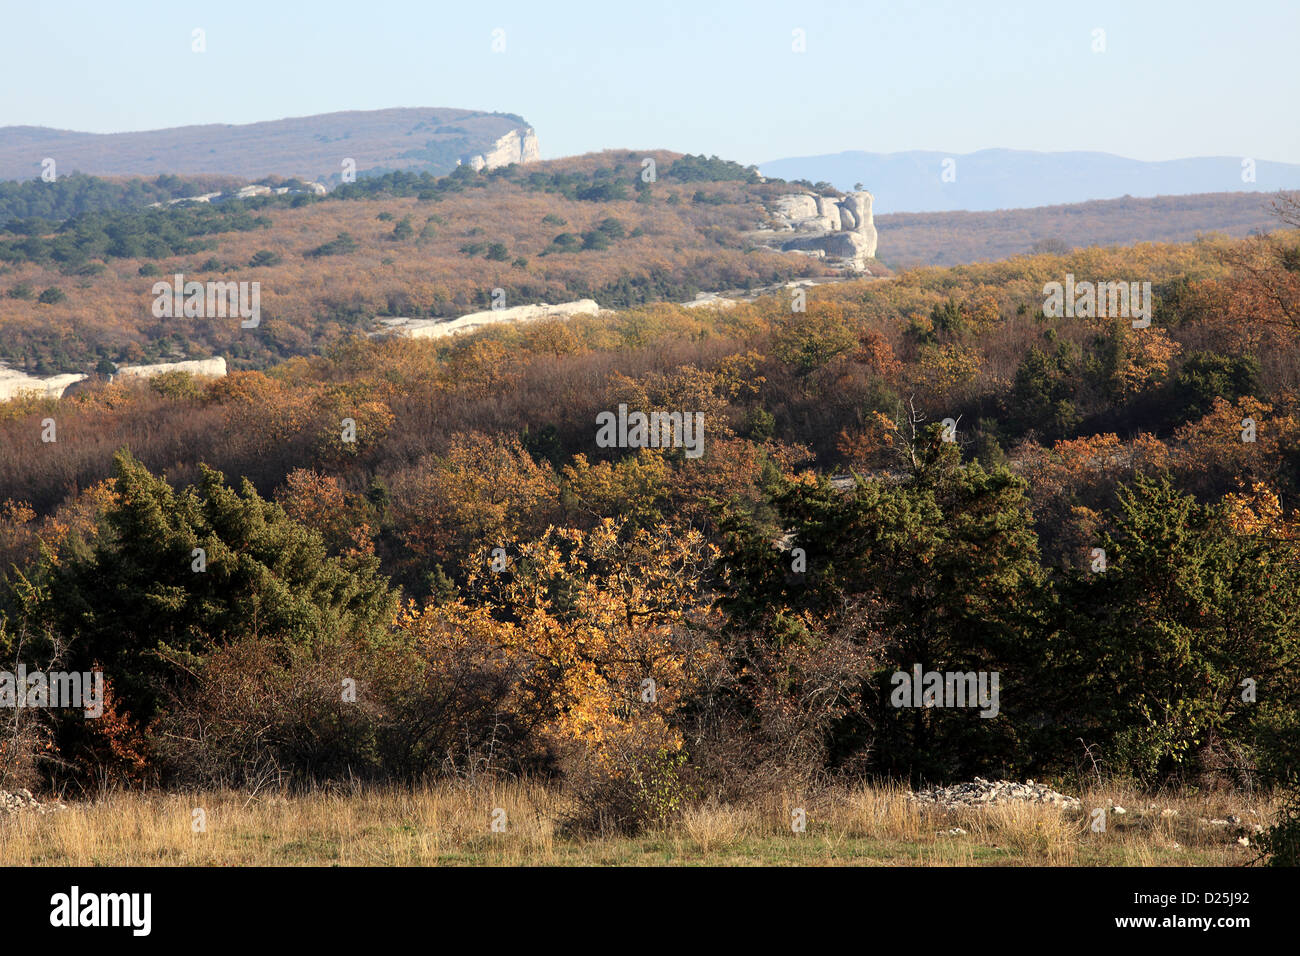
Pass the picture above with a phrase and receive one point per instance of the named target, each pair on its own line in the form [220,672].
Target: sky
[1170,80]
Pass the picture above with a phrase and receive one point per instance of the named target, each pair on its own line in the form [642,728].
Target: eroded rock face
[438,328]
[857,208]
[796,207]
[517,146]
[211,368]
[14,383]
[829,212]
[825,227]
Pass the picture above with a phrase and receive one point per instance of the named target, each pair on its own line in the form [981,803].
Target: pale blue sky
[1177,79]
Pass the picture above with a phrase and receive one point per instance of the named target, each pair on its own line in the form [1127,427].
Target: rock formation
[823,226]
[438,328]
[212,368]
[517,146]
[14,383]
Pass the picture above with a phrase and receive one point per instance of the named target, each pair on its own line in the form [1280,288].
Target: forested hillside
[954,238]
[77,293]
[1099,510]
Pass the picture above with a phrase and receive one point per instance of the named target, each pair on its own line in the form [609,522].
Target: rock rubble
[980,792]
[22,801]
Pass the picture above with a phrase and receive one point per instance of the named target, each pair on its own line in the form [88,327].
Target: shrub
[264,257]
[1206,376]
[1279,845]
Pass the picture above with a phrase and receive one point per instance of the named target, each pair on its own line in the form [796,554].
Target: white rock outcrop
[517,146]
[440,328]
[210,368]
[824,227]
[14,383]
[710,300]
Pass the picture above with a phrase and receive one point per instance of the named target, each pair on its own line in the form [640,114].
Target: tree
[611,630]
[146,605]
[1206,376]
[940,570]
[1193,601]
[264,258]
[1041,396]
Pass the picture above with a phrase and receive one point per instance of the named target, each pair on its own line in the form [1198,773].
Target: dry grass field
[452,825]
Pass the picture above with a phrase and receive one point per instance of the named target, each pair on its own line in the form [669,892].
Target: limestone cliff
[14,383]
[211,368]
[438,328]
[517,146]
[823,226]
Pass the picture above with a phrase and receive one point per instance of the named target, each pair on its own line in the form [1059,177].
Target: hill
[79,258]
[953,238]
[305,147]
[914,181]
[397,245]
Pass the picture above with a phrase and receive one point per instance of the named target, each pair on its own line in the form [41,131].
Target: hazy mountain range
[914,181]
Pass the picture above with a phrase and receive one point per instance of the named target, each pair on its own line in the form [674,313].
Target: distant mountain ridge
[993,179]
[958,237]
[305,147]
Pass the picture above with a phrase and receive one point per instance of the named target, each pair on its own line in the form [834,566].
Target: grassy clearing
[451,825]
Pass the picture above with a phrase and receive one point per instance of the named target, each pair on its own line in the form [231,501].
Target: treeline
[34,207]
[588,183]
[146,234]
[650,664]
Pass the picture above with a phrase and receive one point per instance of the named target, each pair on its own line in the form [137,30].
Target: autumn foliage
[923,469]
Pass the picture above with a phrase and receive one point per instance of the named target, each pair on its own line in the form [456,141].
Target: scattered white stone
[1243,841]
[1118,810]
[981,792]
[22,801]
